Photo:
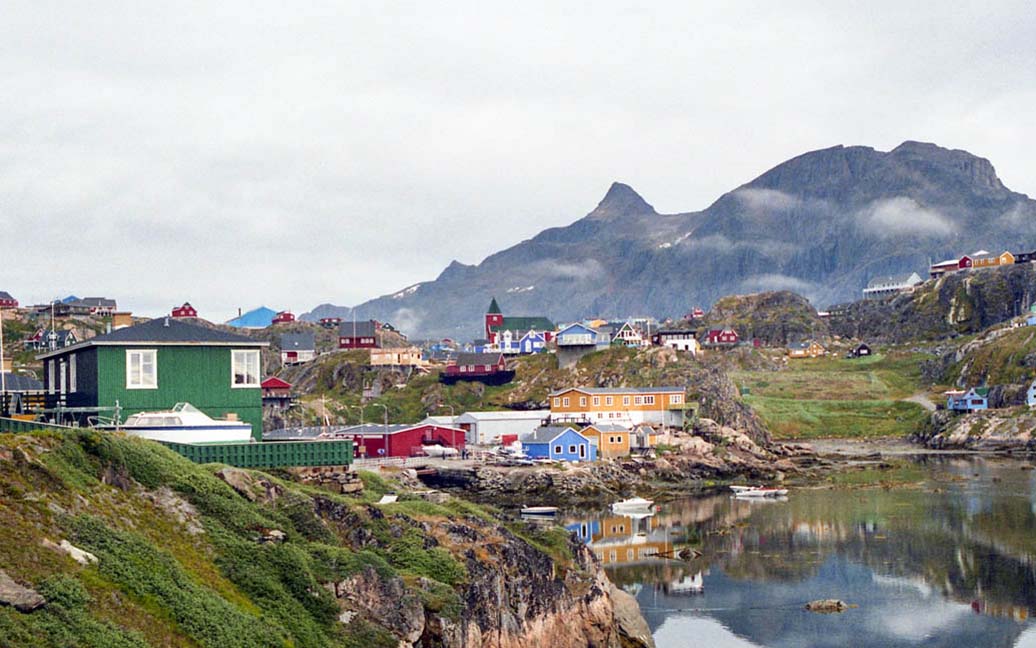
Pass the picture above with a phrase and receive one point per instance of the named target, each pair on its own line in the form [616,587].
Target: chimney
[166,323]
[239,311]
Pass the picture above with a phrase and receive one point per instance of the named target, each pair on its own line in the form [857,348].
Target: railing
[377,462]
[15,426]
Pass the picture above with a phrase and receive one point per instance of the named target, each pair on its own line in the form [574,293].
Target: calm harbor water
[946,562]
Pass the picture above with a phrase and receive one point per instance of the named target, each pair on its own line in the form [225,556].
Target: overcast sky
[235,156]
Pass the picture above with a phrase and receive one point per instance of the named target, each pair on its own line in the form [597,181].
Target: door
[582,451]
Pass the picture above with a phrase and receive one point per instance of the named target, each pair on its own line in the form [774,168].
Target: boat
[633,505]
[741,489]
[184,423]
[760,491]
[539,511]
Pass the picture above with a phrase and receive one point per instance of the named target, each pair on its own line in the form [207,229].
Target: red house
[965,262]
[7,301]
[722,337]
[358,335]
[330,322]
[487,368]
[373,440]
[276,393]
[185,311]
[283,317]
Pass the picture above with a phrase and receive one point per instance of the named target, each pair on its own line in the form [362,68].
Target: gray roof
[305,341]
[365,328]
[166,331]
[20,382]
[609,427]
[94,302]
[478,358]
[620,390]
[5,295]
[548,433]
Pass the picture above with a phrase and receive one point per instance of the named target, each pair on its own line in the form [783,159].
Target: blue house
[532,342]
[972,400]
[559,444]
[581,335]
[585,530]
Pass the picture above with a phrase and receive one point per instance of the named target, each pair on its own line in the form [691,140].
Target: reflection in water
[947,563]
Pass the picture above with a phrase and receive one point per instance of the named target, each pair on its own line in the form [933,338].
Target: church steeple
[494,318]
[494,308]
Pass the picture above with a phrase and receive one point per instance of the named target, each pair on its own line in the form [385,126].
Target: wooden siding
[198,375]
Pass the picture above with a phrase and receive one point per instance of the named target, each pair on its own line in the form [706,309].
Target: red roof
[273,382]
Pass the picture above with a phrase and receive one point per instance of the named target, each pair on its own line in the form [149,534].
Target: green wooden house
[155,365]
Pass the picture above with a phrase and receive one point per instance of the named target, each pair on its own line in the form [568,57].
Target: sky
[238,154]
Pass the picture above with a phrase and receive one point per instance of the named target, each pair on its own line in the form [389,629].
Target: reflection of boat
[759,491]
[539,511]
[633,505]
[687,585]
[185,424]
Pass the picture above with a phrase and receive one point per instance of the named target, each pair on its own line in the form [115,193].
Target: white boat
[760,491]
[539,511]
[633,505]
[741,489]
[185,424]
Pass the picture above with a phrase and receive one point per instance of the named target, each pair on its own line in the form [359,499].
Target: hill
[821,224]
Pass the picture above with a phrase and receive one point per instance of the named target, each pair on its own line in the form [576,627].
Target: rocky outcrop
[18,596]
[991,430]
[720,401]
[774,318]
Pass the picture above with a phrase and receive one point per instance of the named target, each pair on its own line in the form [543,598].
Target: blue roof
[259,318]
[69,299]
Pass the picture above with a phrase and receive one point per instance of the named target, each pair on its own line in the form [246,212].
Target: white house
[487,428]
[885,286]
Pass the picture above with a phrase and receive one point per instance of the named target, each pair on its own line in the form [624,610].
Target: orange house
[611,440]
[627,406]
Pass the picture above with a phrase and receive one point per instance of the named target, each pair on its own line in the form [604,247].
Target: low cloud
[1018,215]
[717,243]
[406,320]
[582,270]
[767,199]
[775,281]
[901,215]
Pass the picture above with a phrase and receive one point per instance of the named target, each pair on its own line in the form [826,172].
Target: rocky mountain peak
[975,171]
[621,200]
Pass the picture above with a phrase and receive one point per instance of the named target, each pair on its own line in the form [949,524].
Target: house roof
[5,295]
[92,302]
[494,308]
[20,383]
[363,328]
[478,358]
[607,427]
[165,331]
[273,382]
[577,325]
[620,390]
[803,345]
[256,318]
[907,279]
[396,428]
[546,434]
[506,415]
[522,324]
[305,341]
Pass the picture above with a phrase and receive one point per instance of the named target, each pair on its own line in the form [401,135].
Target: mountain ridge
[821,223]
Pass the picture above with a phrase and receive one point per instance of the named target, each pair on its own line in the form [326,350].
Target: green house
[155,365]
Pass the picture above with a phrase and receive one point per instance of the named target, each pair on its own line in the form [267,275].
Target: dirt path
[922,399]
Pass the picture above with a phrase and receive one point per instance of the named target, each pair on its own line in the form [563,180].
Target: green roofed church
[155,365]
[496,323]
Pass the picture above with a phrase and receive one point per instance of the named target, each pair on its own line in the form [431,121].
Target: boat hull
[191,434]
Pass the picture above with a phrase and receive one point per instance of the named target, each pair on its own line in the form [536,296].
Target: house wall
[566,440]
[489,431]
[198,375]
[610,445]
[630,413]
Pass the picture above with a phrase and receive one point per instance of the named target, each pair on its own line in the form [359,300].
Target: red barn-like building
[722,337]
[7,301]
[358,335]
[373,440]
[185,311]
[283,317]
[487,368]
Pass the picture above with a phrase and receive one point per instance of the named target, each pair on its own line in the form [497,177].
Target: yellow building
[396,357]
[811,349]
[991,261]
[611,440]
[626,406]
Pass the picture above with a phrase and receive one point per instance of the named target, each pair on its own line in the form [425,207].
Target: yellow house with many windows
[626,406]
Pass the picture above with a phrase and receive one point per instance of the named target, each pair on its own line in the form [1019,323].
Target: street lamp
[359,407]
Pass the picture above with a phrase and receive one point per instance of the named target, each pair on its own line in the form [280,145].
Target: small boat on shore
[539,511]
[633,505]
[184,423]
[760,491]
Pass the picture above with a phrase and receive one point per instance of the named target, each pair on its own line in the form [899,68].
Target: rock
[628,619]
[352,487]
[117,477]
[827,606]
[273,536]
[240,481]
[384,599]
[79,555]
[18,596]
[175,505]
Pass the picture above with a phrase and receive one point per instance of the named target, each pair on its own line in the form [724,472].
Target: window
[557,449]
[675,399]
[637,400]
[557,402]
[141,369]
[50,376]
[244,368]
[649,400]
[582,401]
[597,401]
[625,400]
[72,373]
[571,449]
[582,451]
[463,369]
[608,400]
[564,402]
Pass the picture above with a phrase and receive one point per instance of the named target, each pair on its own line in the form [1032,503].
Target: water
[945,562]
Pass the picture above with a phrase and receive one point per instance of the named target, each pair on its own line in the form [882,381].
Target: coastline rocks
[827,606]
[989,430]
[384,599]
[628,619]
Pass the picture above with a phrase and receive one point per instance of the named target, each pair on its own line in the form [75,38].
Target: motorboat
[184,423]
[633,505]
[539,511]
[761,491]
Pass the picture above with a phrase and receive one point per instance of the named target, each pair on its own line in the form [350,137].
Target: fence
[16,426]
[282,454]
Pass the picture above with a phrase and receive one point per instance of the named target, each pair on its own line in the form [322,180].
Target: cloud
[717,243]
[406,320]
[778,282]
[578,271]
[901,215]
[767,199]
[1018,215]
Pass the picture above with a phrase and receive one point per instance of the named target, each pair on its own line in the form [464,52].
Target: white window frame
[582,401]
[557,402]
[235,354]
[597,401]
[139,356]
[608,400]
[72,373]
[565,402]
[626,400]
[51,376]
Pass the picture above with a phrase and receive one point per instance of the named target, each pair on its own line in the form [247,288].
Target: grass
[814,419]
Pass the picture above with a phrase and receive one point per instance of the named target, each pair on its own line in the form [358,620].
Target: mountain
[821,224]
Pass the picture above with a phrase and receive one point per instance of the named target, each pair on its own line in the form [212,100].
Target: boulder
[79,555]
[18,596]
[628,619]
